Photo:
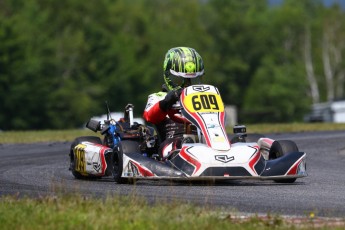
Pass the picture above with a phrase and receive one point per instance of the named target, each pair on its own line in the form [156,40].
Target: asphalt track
[42,169]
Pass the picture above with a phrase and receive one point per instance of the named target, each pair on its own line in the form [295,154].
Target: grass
[77,212]
[69,135]
[127,212]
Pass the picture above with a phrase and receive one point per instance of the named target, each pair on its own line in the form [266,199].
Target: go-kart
[128,151]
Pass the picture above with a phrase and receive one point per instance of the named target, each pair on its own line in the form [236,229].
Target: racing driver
[182,67]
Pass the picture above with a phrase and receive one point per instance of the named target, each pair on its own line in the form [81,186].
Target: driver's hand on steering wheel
[170,99]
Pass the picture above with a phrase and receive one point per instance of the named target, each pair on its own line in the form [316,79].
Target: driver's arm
[159,104]
[153,112]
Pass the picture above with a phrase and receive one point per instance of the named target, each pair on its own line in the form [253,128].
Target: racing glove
[170,99]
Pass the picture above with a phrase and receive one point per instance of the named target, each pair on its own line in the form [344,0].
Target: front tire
[124,147]
[282,148]
[77,141]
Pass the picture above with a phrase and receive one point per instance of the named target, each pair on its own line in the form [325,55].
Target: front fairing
[200,162]
[197,160]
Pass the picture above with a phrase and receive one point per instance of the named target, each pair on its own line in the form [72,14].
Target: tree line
[60,60]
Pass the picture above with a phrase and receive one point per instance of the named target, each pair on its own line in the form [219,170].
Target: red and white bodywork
[91,158]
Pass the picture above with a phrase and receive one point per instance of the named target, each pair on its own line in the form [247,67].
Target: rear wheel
[124,147]
[282,148]
[77,141]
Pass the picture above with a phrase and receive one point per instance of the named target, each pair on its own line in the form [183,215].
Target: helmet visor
[177,81]
[187,75]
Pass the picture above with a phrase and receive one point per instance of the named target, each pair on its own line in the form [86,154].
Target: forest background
[60,60]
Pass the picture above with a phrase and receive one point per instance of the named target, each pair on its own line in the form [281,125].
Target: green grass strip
[128,212]
[77,212]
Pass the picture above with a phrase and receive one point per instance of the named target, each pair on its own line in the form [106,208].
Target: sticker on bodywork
[90,158]
[80,163]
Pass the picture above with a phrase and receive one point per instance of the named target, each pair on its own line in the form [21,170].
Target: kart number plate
[204,102]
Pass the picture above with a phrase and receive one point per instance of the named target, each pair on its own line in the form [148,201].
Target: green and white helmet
[182,67]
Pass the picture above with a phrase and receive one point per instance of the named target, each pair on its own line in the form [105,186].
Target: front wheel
[282,148]
[123,148]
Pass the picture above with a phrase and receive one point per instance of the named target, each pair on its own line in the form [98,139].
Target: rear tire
[77,141]
[282,148]
[125,146]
